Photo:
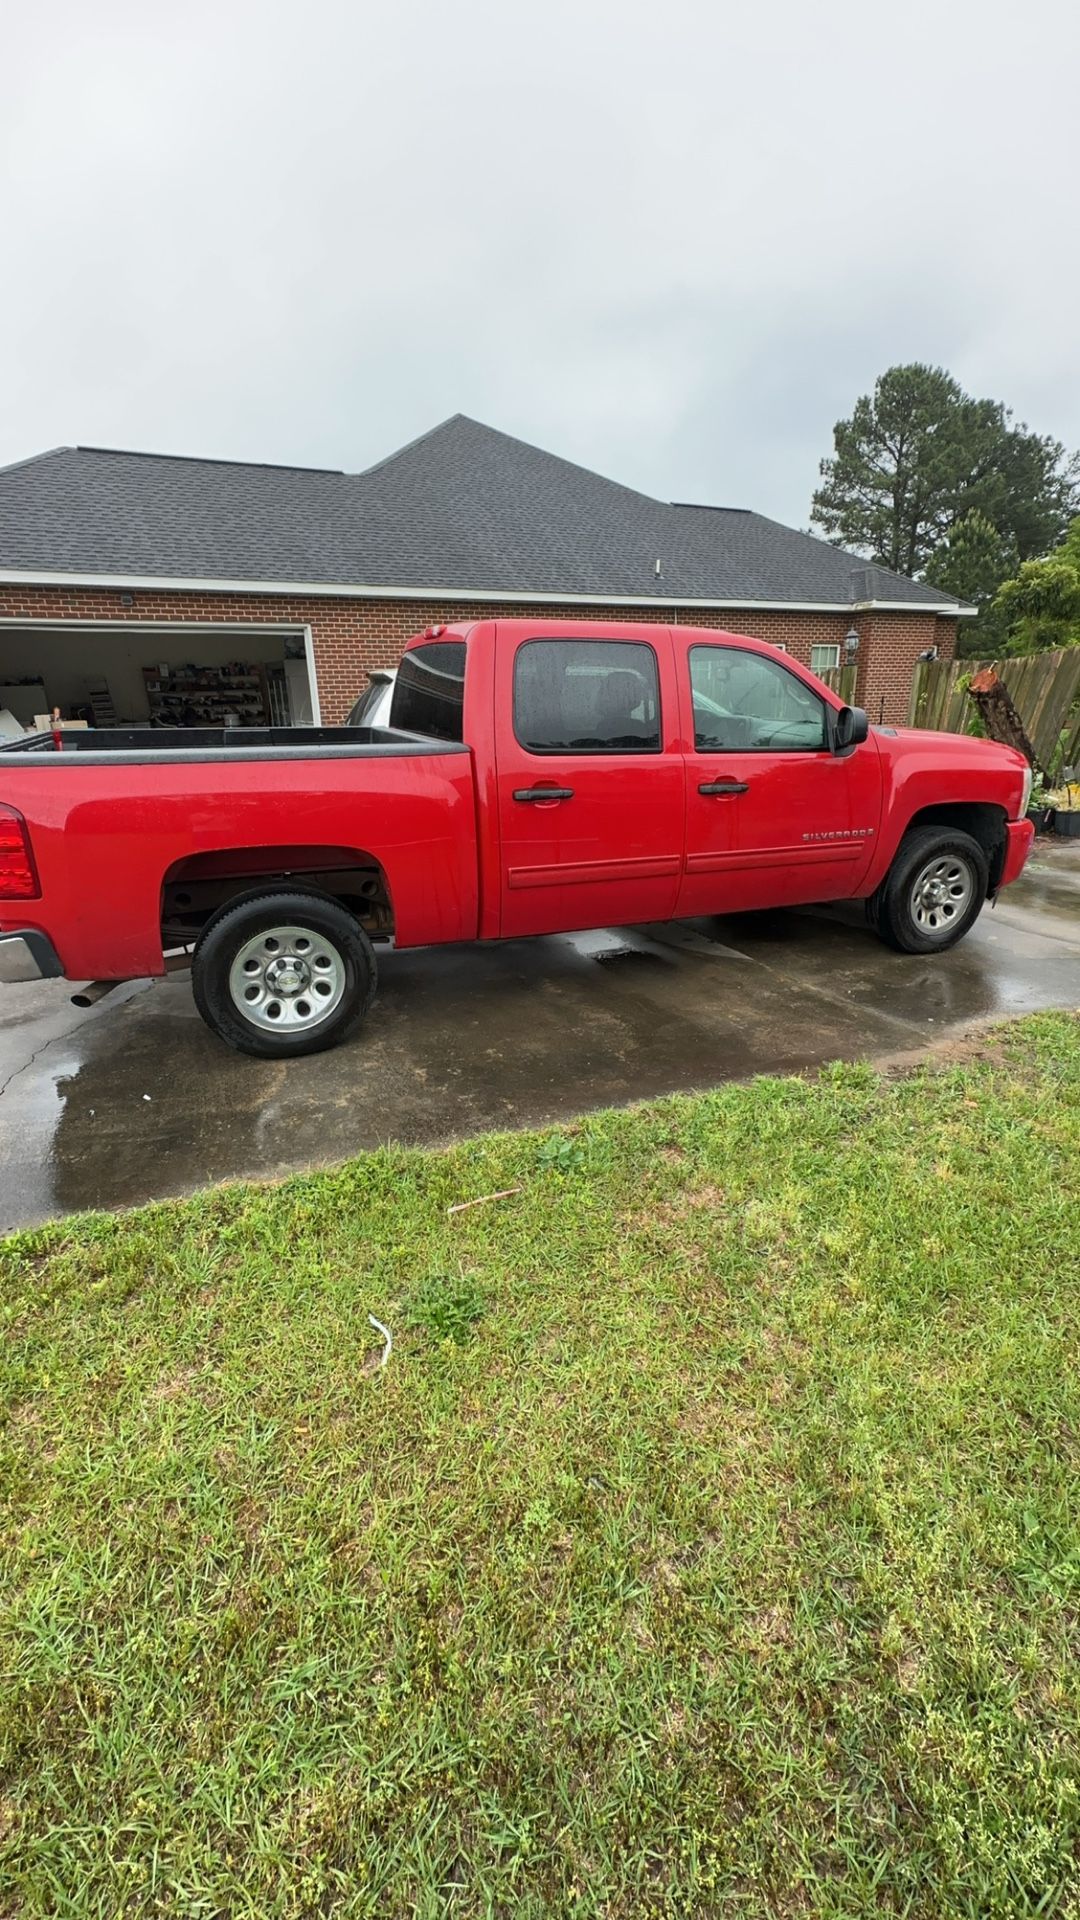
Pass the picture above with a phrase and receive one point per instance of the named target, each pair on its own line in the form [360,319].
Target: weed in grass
[558,1154]
[446,1307]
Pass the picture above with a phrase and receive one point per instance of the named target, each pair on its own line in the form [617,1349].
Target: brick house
[149,587]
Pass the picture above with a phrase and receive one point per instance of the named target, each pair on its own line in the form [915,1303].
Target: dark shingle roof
[463,509]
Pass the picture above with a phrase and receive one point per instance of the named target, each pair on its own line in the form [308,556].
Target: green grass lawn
[708,1546]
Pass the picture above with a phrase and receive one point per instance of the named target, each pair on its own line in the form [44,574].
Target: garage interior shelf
[208,695]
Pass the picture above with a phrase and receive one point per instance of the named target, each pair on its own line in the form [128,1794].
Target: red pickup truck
[537,776]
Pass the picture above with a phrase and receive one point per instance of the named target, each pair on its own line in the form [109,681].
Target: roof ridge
[31,458]
[705,506]
[429,433]
[578,465]
[515,440]
[198,459]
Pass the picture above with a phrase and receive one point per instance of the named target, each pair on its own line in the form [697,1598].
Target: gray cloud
[673,243]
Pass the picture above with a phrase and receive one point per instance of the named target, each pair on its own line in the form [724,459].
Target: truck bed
[130,827]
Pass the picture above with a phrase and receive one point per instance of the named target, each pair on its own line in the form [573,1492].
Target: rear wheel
[283,973]
[934,891]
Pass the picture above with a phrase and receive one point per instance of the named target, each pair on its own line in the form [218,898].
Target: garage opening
[155,677]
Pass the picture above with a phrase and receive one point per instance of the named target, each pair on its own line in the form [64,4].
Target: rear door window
[586,696]
[429,692]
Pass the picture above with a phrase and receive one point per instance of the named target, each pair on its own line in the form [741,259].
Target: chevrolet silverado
[536,777]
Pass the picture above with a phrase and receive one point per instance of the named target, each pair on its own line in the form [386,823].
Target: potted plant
[1066,804]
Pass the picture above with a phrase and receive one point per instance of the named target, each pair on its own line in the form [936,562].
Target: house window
[824,657]
[586,696]
[429,692]
[747,703]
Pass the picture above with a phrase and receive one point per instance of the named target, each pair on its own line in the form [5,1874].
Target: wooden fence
[1044,688]
[841,680]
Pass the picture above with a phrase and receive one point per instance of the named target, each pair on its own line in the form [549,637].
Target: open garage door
[151,676]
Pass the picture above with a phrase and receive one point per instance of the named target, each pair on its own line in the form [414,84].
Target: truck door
[590,793]
[773,816]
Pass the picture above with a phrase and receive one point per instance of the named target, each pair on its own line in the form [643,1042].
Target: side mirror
[849,728]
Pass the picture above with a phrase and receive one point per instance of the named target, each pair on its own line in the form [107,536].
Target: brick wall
[351,636]
[889,646]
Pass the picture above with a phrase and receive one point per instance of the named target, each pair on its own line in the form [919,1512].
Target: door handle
[543,793]
[723,787]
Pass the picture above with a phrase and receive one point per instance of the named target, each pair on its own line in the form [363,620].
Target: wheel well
[195,888]
[984,822]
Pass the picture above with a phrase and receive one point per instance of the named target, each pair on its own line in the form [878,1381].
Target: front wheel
[280,973]
[934,891]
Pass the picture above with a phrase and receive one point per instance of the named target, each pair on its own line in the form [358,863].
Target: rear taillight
[18,875]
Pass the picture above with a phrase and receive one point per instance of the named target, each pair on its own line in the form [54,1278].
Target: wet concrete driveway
[136,1099]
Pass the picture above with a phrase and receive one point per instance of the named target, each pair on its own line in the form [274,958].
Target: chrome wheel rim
[941,893]
[287,980]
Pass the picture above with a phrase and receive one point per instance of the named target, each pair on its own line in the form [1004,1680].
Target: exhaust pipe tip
[89,996]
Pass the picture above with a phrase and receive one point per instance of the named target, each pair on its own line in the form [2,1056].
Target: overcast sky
[673,242]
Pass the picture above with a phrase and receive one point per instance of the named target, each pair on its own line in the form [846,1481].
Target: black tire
[956,866]
[338,958]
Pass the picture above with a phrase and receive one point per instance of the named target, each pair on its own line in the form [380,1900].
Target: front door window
[746,703]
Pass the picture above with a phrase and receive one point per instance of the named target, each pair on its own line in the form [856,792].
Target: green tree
[973,559]
[970,565]
[919,457]
[1040,606]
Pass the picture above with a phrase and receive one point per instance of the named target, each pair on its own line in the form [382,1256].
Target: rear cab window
[429,692]
[586,696]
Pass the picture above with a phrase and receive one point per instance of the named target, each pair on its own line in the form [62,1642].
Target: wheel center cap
[287,976]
